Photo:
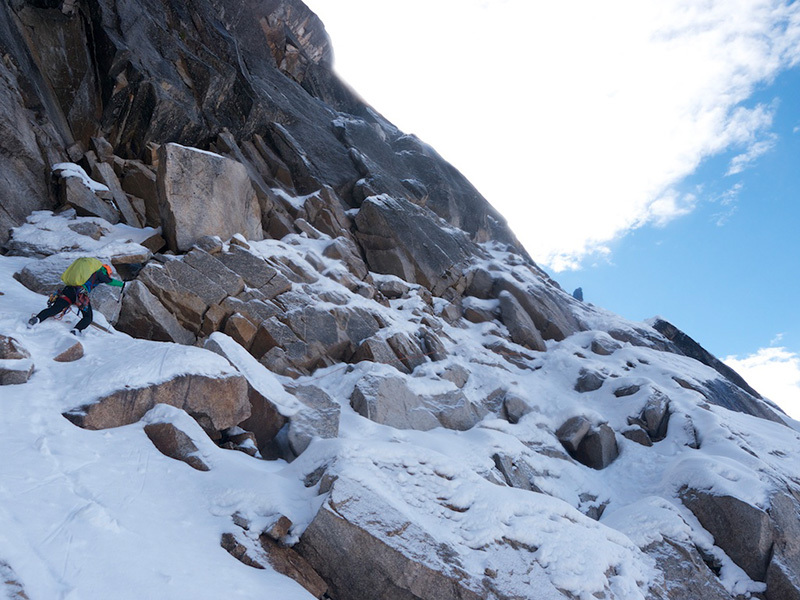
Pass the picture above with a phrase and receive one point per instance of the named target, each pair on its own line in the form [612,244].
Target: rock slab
[201,194]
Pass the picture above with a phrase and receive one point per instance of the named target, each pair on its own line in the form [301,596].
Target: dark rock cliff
[148,72]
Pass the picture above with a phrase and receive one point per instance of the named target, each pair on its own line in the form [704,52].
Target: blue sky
[728,273]
[645,150]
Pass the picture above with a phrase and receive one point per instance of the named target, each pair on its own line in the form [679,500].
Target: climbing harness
[81,301]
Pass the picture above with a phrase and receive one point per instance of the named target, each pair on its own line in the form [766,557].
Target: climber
[81,277]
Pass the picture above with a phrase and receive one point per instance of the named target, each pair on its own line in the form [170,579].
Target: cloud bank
[577,120]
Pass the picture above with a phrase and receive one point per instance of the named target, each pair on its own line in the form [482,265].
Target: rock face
[402,239]
[203,194]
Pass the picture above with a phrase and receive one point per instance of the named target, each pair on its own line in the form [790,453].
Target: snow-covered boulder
[16,365]
[77,191]
[164,430]
[347,544]
[216,403]
[742,530]
[44,276]
[319,417]
[391,401]
[520,325]
[69,351]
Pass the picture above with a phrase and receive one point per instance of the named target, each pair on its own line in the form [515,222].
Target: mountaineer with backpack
[81,277]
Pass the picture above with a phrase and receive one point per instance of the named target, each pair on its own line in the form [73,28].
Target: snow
[53,234]
[262,380]
[102,514]
[67,169]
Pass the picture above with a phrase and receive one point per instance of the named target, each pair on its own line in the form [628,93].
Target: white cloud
[597,110]
[777,339]
[775,373]
[729,203]
[740,162]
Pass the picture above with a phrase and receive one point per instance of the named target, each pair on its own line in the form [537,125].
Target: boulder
[589,381]
[143,316]
[319,417]
[520,325]
[402,239]
[268,553]
[200,194]
[329,335]
[272,333]
[685,574]
[107,301]
[11,349]
[604,345]
[345,250]
[743,531]
[548,307]
[16,371]
[16,365]
[216,403]
[271,406]
[408,350]
[73,193]
[177,295]
[627,390]
[598,448]
[636,434]
[390,401]
[253,309]
[572,432]
[392,287]
[172,442]
[376,349]
[783,582]
[365,548]
[240,329]
[517,473]
[253,269]
[515,407]
[70,353]
[44,276]
[654,416]
[104,173]
[140,180]
[432,345]
[196,280]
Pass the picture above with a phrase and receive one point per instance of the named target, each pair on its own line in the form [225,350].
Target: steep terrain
[333,372]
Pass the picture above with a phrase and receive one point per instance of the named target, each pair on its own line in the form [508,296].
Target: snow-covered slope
[103,514]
